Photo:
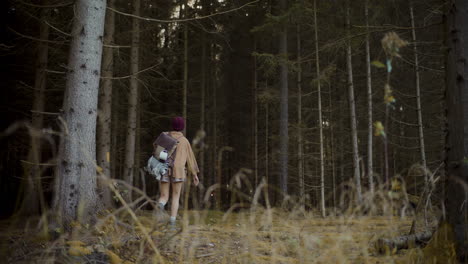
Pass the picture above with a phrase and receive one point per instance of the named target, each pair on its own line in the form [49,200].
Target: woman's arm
[192,164]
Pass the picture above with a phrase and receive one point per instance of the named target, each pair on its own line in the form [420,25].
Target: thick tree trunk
[284,135]
[418,97]
[132,101]
[319,102]
[352,108]
[457,117]
[104,135]
[300,156]
[369,105]
[33,198]
[77,198]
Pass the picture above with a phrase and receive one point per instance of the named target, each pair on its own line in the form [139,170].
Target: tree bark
[267,165]
[136,170]
[104,120]
[418,97]
[284,136]
[352,107]
[202,108]
[385,145]
[332,148]
[132,102]
[300,158]
[369,105]
[255,116]
[215,119]
[457,117]
[116,142]
[319,102]
[77,198]
[185,84]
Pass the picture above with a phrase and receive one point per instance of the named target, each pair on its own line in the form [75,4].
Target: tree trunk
[418,97]
[369,106]
[132,101]
[215,118]
[332,148]
[202,109]
[116,125]
[319,102]
[300,158]
[352,110]
[266,140]
[255,116]
[77,198]
[284,137]
[457,117]
[33,198]
[385,144]
[104,135]
[342,145]
[136,170]
[184,107]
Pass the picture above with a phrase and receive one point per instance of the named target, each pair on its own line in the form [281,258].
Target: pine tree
[132,102]
[77,198]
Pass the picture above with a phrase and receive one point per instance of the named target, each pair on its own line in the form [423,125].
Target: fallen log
[391,245]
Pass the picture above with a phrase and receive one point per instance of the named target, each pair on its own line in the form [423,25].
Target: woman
[177,173]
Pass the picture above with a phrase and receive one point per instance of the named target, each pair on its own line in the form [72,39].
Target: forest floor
[266,236]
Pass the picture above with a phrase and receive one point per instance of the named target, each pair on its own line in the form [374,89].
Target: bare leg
[176,188]
[164,192]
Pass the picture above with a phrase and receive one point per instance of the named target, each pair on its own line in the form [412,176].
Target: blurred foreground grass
[263,236]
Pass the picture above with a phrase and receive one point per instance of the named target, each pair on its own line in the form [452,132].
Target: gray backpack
[163,156]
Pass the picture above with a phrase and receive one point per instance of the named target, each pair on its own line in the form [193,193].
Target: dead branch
[181,20]
[388,245]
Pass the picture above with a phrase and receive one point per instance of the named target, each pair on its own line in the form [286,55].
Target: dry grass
[264,236]
[251,233]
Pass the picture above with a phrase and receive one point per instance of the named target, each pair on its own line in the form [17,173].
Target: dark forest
[220,131]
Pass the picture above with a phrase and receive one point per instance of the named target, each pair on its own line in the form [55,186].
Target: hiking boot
[160,214]
[160,206]
[172,226]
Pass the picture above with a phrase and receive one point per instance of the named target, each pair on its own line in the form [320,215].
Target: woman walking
[177,173]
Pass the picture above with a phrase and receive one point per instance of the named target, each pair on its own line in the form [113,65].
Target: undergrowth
[251,233]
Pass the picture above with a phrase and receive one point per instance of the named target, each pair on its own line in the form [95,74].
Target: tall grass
[250,231]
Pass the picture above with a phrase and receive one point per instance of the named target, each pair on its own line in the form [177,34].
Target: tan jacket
[184,156]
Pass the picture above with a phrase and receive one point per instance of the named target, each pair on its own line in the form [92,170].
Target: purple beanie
[178,123]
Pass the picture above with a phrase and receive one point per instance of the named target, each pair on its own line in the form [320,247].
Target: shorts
[169,178]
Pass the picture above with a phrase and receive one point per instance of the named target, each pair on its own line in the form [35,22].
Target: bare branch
[184,19]
[47,6]
[128,76]
[63,32]
[34,38]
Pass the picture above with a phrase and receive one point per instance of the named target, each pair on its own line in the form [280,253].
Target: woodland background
[338,109]
[225,65]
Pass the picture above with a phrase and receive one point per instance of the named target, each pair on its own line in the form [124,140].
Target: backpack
[156,168]
[163,156]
